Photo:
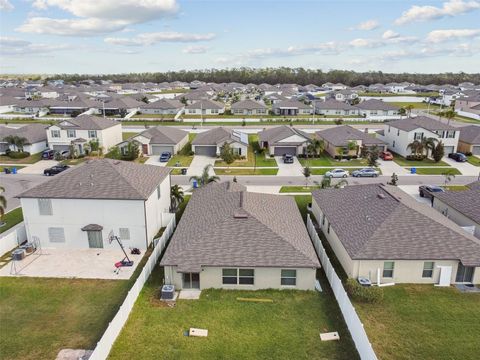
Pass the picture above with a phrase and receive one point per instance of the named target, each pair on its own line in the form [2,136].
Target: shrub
[468,153]
[367,294]
[18,154]
[417,157]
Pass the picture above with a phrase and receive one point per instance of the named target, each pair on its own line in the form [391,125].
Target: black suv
[288,159]
[427,190]
[57,169]
[458,157]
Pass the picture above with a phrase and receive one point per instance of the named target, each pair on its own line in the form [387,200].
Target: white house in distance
[81,206]
[234,239]
[205,107]
[35,135]
[81,130]
[159,139]
[399,133]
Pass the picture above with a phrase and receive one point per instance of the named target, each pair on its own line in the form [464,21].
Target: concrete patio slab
[390,167]
[73,263]
[412,190]
[190,294]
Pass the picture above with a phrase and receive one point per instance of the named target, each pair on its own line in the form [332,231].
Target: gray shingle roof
[274,135]
[393,226]
[331,104]
[102,179]
[375,104]
[163,135]
[219,135]
[205,104]
[409,124]
[470,134]
[466,202]
[87,122]
[224,225]
[163,104]
[341,135]
[248,105]
[291,104]
[32,132]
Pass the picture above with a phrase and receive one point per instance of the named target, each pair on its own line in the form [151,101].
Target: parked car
[365,172]
[337,173]
[65,154]
[386,155]
[48,155]
[57,169]
[427,190]
[288,159]
[458,157]
[165,156]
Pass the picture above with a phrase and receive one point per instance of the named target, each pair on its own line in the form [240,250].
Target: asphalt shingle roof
[341,135]
[274,135]
[470,134]
[466,202]
[102,179]
[163,135]
[409,124]
[219,135]
[87,122]
[248,105]
[224,225]
[375,104]
[32,132]
[381,222]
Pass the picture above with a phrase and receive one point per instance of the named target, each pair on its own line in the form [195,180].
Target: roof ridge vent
[381,196]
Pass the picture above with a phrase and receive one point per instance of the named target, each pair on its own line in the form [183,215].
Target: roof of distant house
[163,135]
[331,104]
[248,105]
[32,132]
[205,104]
[375,104]
[163,104]
[274,135]
[102,179]
[409,124]
[220,135]
[470,134]
[87,122]
[341,135]
[224,225]
[466,202]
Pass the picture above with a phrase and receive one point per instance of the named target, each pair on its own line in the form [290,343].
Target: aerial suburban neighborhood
[239,180]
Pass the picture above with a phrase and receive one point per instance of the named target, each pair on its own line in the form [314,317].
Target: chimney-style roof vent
[381,196]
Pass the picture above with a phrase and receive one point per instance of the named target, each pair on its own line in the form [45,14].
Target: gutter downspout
[146,225]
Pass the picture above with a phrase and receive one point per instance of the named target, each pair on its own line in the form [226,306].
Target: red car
[386,155]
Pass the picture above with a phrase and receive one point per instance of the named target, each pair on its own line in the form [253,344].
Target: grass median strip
[271,171]
[298,189]
[436,171]
[400,160]
[475,161]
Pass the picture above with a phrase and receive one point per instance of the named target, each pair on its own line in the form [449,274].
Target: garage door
[61,148]
[289,150]
[206,150]
[448,149]
[476,150]
[159,149]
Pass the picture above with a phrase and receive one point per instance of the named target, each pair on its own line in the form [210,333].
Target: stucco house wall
[454,215]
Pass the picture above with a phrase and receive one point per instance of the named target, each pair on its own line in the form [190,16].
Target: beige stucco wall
[457,217]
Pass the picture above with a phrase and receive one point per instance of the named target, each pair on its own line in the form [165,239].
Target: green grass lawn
[182,157]
[11,219]
[400,160]
[419,105]
[302,203]
[325,160]
[456,187]
[2,168]
[437,171]
[298,189]
[272,171]
[423,322]
[318,121]
[473,160]
[76,161]
[4,159]
[128,135]
[261,160]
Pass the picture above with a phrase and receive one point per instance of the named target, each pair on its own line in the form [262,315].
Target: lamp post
[254,161]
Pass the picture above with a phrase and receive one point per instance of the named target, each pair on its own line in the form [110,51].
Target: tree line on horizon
[281,75]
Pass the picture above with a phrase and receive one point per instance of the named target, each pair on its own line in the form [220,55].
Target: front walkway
[294,169]
[198,164]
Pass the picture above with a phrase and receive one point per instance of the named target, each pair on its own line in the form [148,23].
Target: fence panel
[105,344]
[13,237]
[352,320]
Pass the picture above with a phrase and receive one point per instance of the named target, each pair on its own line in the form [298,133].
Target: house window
[389,129]
[428,269]
[328,228]
[124,233]
[246,276]
[92,133]
[45,207]
[238,276]
[393,145]
[55,133]
[450,134]
[56,235]
[323,219]
[288,277]
[158,192]
[388,269]
[71,133]
[418,136]
[229,276]
[398,132]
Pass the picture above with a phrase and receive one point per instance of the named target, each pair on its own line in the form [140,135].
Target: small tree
[205,177]
[114,153]
[338,121]
[438,152]
[393,180]
[307,173]
[226,154]
[176,197]
[449,176]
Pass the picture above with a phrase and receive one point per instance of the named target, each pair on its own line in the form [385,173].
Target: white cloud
[428,12]
[368,25]
[153,38]
[93,17]
[366,43]
[388,38]
[328,48]
[390,34]
[438,36]
[14,46]
[6,5]
[195,50]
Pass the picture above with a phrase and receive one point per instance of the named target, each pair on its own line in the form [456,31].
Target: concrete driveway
[155,160]
[294,169]
[465,168]
[198,164]
[390,167]
[38,167]
[412,190]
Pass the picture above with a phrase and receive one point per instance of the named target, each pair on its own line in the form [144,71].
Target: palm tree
[17,142]
[3,203]
[176,197]
[317,145]
[428,144]
[408,109]
[416,147]
[205,178]
[449,176]
[449,114]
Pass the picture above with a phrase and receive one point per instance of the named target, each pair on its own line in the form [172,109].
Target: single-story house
[159,139]
[469,140]
[79,207]
[31,106]
[462,207]
[233,239]
[343,95]
[334,107]
[291,107]
[375,107]
[378,229]
[337,140]
[205,107]
[81,130]
[249,107]
[398,134]
[209,142]
[284,139]
[162,106]
[35,134]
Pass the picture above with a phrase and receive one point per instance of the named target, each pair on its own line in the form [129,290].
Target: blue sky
[113,36]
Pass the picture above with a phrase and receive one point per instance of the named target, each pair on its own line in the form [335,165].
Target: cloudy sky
[113,36]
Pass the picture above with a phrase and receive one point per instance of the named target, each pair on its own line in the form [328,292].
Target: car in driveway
[288,159]
[54,170]
[386,155]
[458,157]
[426,191]
[337,173]
[48,155]
[365,172]
[165,156]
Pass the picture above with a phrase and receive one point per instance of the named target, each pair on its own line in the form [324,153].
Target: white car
[337,173]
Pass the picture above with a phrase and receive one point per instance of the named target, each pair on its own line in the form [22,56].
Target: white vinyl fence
[13,237]
[113,330]
[354,324]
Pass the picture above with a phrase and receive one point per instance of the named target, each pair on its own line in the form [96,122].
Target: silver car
[366,172]
[337,173]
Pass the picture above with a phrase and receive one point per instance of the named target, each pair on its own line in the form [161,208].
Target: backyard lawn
[237,171]
[262,160]
[11,219]
[423,322]
[474,160]
[400,160]
[4,159]
[437,171]
[325,160]
[128,135]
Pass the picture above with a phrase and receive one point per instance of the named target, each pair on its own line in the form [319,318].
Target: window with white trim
[388,267]
[92,133]
[428,269]
[238,276]
[124,233]
[55,133]
[288,277]
[56,235]
[45,207]
[71,133]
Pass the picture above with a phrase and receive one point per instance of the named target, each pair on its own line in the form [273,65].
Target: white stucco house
[78,208]
[205,107]
[83,129]
[399,133]
[210,142]
[233,239]
[159,139]
[283,140]
[35,134]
